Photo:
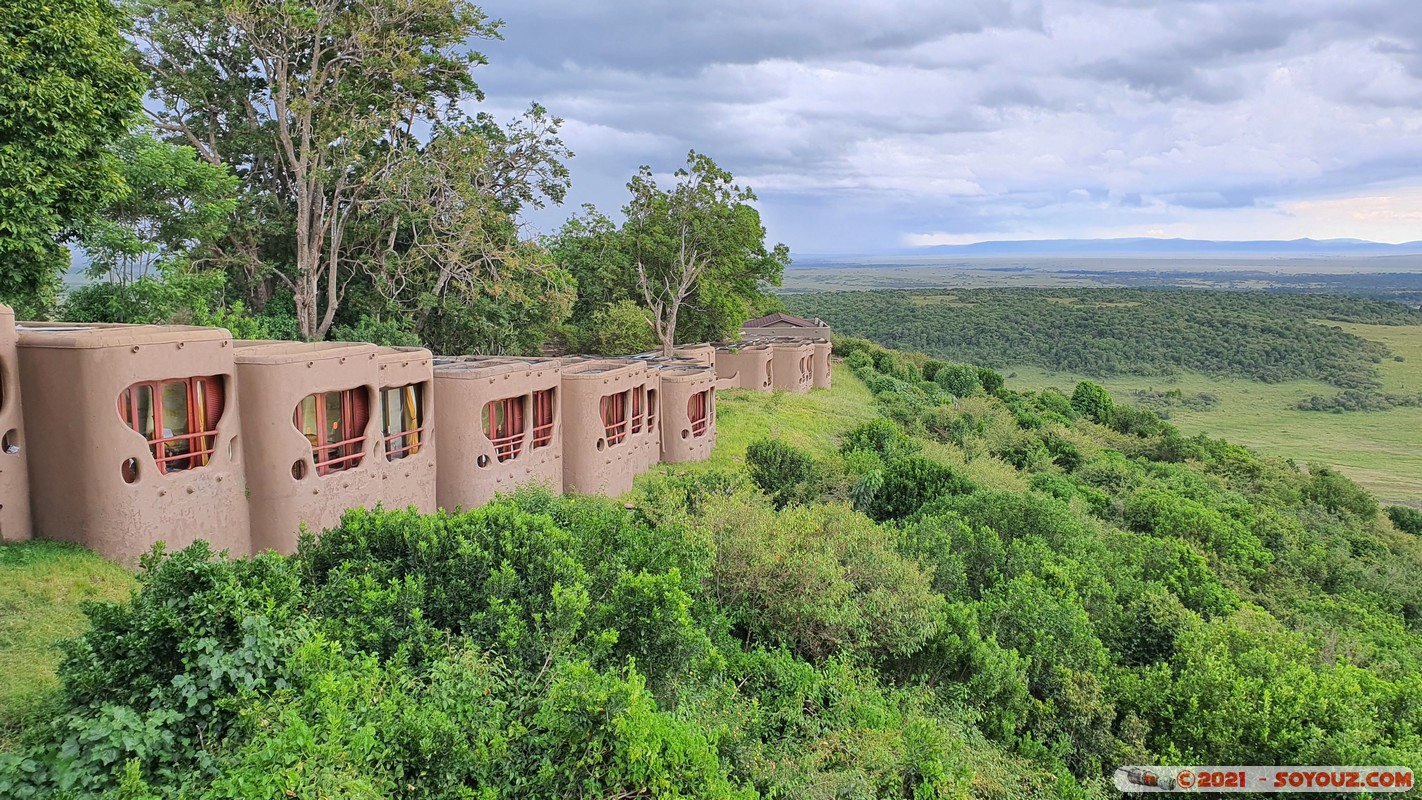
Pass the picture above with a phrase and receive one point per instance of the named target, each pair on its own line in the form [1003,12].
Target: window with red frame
[542,418]
[402,414]
[178,418]
[651,410]
[613,408]
[503,425]
[639,408]
[698,409]
[334,423]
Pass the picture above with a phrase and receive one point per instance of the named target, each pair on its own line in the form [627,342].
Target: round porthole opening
[298,469]
[10,443]
[129,470]
[482,461]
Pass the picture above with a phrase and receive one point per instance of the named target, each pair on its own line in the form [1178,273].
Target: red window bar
[503,425]
[328,421]
[542,418]
[142,407]
[638,405]
[697,410]
[651,410]
[614,417]
[401,412]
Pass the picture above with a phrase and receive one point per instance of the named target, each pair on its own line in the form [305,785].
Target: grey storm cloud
[861,125]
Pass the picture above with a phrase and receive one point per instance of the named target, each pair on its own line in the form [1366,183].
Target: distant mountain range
[1101,248]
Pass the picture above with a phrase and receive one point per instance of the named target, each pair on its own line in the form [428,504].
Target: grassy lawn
[1381,450]
[811,421]
[41,586]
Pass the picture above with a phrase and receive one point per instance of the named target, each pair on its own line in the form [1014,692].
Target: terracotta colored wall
[286,490]
[679,442]
[409,480]
[790,365]
[469,472]
[822,368]
[590,463]
[749,366]
[14,471]
[77,444]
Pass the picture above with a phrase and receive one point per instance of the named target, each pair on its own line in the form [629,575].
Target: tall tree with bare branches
[698,245]
[300,100]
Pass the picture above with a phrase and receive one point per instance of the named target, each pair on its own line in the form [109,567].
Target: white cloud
[862,126]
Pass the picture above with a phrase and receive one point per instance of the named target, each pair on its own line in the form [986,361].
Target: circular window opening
[129,470]
[10,443]
[482,461]
[601,443]
[298,469]
[685,433]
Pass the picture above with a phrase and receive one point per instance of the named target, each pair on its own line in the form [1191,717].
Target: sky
[867,127]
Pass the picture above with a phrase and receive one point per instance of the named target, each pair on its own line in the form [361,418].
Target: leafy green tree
[699,243]
[618,328]
[959,380]
[68,87]
[175,206]
[1093,401]
[364,183]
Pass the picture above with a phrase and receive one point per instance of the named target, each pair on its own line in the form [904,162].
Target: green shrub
[1091,400]
[389,332]
[880,436]
[912,482]
[1335,492]
[959,380]
[1406,519]
[820,580]
[783,472]
[991,380]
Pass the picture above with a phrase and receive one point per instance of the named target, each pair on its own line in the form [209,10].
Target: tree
[1092,400]
[311,103]
[446,246]
[173,205]
[698,244]
[67,88]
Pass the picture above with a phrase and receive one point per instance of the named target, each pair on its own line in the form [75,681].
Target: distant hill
[1170,247]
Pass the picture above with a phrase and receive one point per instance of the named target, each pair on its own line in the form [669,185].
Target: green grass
[812,421]
[42,584]
[1381,450]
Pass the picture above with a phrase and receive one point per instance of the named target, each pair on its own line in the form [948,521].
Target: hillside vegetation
[1109,332]
[954,589]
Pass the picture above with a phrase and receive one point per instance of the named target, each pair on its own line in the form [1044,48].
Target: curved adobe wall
[470,472]
[14,471]
[96,480]
[749,366]
[790,365]
[286,489]
[591,463]
[821,368]
[681,439]
[407,466]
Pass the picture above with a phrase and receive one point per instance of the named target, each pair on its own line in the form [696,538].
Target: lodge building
[116,437]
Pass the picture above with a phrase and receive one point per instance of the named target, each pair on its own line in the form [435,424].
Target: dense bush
[912,482]
[781,471]
[959,380]
[1406,519]
[1091,400]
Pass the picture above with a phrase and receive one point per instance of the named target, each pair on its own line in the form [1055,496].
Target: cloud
[862,124]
